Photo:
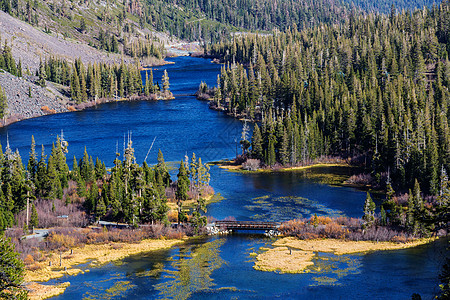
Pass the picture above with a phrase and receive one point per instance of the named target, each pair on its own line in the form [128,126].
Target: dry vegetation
[342,228]
[39,291]
[340,247]
[97,253]
[293,255]
[284,259]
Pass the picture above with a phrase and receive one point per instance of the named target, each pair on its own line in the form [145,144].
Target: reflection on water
[117,289]
[283,208]
[107,289]
[190,270]
[333,268]
[222,268]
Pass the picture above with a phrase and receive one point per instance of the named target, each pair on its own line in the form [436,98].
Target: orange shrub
[292,226]
[333,230]
[323,220]
[173,216]
[28,260]
[399,239]
[175,234]
[71,108]
[47,110]
[34,267]
[308,236]
[61,240]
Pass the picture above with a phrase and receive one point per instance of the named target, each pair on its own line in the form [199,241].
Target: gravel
[21,106]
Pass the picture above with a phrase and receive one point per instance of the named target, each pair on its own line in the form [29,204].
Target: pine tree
[34,220]
[383,217]
[444,192]
[53,186]
[182,187]
[11,277]
[271,156]
[32,161]
[83,89]
[147,86]
[91,198]
[100,208]
[3,104]
[41,173]
[161,172]
[245,144]
[75,90]
[369,211]
[75,173]
[165,81]
[284,149]
[42,75]
[257,149]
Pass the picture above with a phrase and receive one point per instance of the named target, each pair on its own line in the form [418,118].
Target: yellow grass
[39,291]
[340,247]
[99,254]
[281,259]
[302,251]
[232,167]
[319,165]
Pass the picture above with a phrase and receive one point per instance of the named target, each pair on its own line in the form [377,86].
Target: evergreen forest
[128,192]
[375,87]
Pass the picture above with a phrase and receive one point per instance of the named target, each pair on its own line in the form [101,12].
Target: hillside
[30,44]
[27,100]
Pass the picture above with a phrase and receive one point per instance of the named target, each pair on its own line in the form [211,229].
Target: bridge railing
[247,225]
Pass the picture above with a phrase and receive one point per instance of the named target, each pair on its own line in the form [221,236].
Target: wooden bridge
[247,225]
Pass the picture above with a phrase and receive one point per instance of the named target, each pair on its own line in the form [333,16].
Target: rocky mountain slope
[27,100]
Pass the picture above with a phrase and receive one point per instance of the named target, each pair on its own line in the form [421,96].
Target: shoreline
[230,166]
[190,203]
[83,106]
[292,255]
[93,254]
[59,103]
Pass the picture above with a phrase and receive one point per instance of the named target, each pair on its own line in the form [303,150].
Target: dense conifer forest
[95,81]
[209,21]
[128,192]
[376,86]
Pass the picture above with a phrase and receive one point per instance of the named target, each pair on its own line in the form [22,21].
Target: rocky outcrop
[28,100]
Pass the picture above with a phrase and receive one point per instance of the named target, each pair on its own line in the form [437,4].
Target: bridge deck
[247,225]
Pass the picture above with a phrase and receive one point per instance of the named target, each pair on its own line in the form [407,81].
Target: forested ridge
[207,20]
[376,86]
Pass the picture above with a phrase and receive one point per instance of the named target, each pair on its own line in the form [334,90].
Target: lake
[221,267]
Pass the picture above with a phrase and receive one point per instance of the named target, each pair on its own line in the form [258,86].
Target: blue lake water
[222,267]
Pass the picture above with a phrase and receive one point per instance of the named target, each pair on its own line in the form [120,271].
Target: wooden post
[60,258]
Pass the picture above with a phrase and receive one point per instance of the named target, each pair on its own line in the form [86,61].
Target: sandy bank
[284,259]
[318,165]
[340,247]
[39,291]
[291,255]
[233,167]
[99,254]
